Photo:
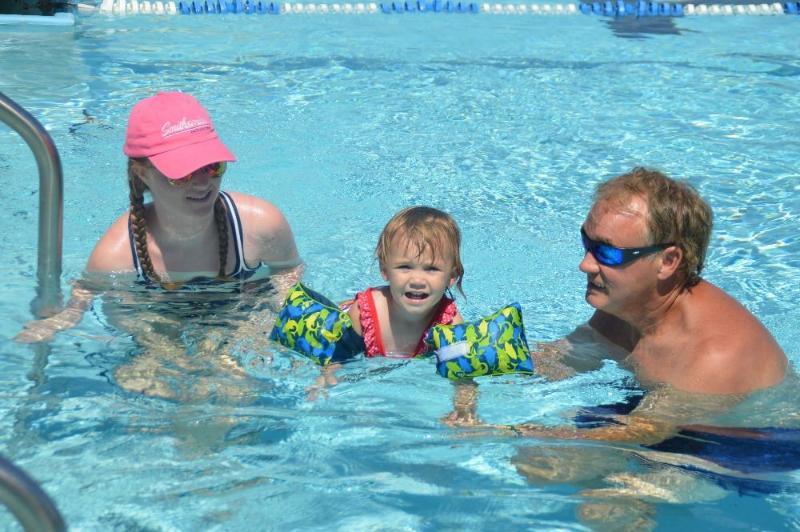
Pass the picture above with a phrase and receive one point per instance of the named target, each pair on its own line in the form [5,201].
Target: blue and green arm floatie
[314,326]
[494,345]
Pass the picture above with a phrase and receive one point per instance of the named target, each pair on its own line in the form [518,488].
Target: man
[645,240]
[695,353]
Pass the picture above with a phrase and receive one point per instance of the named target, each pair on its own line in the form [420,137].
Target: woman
[190,234]
[190,230]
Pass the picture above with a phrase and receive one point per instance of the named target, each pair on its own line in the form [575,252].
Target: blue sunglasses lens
[605,254]
[608,255]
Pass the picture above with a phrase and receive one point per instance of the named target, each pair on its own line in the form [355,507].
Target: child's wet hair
[423,229]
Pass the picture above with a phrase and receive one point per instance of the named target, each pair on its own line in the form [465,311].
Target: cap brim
[180,162]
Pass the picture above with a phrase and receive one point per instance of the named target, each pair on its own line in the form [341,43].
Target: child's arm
[327,374]
[465,397]
[327,378]
[355,317]
[465,404]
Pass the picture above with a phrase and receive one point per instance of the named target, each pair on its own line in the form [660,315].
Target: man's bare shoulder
[721,367]
[733,351]
[716,315]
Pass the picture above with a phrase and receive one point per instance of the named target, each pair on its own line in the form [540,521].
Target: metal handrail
[32,507]
[51,210]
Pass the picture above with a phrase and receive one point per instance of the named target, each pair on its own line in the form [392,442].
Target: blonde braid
[138,222]
[222,235]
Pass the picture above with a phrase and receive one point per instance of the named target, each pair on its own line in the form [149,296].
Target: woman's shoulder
[267,234]
[254,208]
[260,218]
[112,253]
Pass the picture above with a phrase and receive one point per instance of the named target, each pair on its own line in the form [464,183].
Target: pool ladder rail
[51,211]
[606,8]
[31,506]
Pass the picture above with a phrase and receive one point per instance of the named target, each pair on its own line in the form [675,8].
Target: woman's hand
[43,330]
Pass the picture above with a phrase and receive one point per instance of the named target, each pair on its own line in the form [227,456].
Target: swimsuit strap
[370,328]
[238,235]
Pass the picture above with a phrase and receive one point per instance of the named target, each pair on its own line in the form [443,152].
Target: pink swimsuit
[371,330]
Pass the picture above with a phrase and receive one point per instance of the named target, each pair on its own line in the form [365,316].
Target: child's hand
[465,405]
[327,378]
[461,418]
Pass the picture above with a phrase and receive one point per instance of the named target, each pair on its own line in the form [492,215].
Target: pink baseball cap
[175,132]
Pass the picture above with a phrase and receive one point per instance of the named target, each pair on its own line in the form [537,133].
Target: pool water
[505,122]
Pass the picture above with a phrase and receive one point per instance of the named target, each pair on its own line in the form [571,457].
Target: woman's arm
[43,330]
[111,254]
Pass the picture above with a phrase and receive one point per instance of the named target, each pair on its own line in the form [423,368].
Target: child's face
[417,282]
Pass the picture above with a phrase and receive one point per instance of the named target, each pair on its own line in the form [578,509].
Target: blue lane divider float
[642,8]
[436,6]
[603,8]
[212,7]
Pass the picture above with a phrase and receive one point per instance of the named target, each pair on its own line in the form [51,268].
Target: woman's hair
[139,225]
[675,213]
[424,229]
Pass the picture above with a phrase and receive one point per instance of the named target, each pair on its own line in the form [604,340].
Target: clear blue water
[507,123]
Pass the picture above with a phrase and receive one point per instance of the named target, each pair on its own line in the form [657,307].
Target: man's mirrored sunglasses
[608,255]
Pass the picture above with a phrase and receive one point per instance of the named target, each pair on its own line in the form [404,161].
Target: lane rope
[606,8]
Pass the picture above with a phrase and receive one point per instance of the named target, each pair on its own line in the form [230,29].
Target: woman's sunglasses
[609,255]
[214,171]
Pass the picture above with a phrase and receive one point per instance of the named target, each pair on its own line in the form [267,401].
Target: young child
[419,256]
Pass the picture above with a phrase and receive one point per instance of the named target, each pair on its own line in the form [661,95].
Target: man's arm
[584,349]
[660,414]
[613,331]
